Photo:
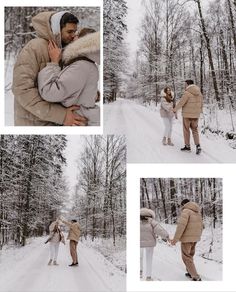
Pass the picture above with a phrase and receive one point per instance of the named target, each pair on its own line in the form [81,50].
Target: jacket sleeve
[63,86]
[166,105]
[159,230]
[25,87]
[182,101]
[181,226]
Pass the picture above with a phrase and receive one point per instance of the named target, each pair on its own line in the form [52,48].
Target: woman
[77,82]
[149,231]
[56,236]
[166,112]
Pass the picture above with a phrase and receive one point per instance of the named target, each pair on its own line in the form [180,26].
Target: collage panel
[170,80]
[62,213]
[188,211]
[52,66]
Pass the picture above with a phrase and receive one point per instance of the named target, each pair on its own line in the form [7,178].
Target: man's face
[68,33]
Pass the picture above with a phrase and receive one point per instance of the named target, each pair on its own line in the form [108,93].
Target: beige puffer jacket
[191,102]
[29,108]
[166,107]
[190,225]
[77,83]
[150,229]
[74,230]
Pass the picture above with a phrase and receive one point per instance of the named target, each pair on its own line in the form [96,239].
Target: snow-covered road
[26,269]
[144,131]
[168,265]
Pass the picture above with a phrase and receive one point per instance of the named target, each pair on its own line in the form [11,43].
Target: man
[188,232]
[29,108]
[73,236]
[191,103]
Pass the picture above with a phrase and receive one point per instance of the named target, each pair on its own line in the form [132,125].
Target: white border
[48,130]
[134,173]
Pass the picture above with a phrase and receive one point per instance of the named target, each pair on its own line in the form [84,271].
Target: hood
[163,94]
[88,46]
[47,25]
[147,212]
[192,206]
[193,89]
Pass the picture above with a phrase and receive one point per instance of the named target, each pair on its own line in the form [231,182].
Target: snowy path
[144,130]
[26,269]
[168,265]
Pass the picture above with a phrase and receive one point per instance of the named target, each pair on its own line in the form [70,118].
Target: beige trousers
[188,251]
[73,251]
[192,124]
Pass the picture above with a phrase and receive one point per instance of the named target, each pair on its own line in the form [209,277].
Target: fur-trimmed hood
[163,94]
[147,212]
[88,46]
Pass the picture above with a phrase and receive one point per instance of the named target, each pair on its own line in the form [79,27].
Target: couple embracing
[55,78]
[191,103]
[188,233]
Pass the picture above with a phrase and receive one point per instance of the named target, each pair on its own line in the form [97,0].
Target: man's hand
[54,52]
[174,110]
[73,119]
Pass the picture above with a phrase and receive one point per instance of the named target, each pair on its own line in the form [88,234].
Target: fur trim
[163,94]
[85,45]
[147,212]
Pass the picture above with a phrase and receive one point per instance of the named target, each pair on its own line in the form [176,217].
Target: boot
[164,142]
[197,279]
[188,275]
[49,263]
[141,273]
[169,142]
[55,263]
[198,149]
[186,148]
[149,279]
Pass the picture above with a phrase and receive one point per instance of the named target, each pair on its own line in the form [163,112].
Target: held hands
[173,242]
[54,52]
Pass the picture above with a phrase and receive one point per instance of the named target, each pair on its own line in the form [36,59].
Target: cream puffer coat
[166,107]
[191,102]
[29,108]
[150,229]
[190,225]
[74,230]
[77,83]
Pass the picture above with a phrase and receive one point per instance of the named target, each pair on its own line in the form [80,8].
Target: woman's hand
[54,52]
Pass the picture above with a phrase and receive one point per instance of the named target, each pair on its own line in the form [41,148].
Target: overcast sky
[72,152]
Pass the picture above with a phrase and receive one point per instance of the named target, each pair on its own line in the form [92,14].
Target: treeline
[182,40]
[114,49]
[164,196]
[100,193]
[32,186]
[19,29]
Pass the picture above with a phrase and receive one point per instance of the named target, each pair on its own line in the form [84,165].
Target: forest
[34,190]
[177,40]
[164,195]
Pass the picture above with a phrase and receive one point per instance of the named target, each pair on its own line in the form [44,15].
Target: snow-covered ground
[168,265]
[143,128]
[25,269]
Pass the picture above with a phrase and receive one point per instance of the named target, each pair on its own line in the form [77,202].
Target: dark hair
[168,97]
[73,220]
[185,201]
[146,217]
[84,31]
[189,81]
[68,18]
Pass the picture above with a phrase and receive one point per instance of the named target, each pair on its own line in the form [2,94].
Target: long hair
[168,96]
